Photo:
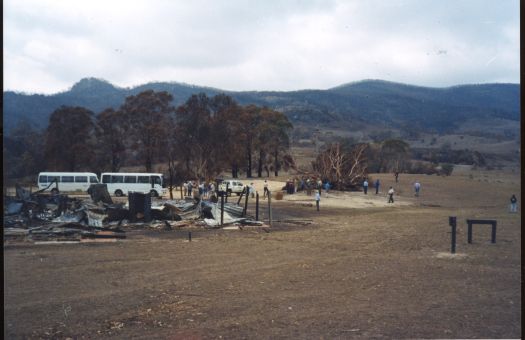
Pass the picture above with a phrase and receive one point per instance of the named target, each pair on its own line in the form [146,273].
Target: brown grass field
[362,269]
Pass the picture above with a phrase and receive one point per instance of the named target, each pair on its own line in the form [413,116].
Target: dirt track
[356,272]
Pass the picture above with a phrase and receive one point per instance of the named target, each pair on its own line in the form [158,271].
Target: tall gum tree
[111,128]
[70,141]
[274,128]
[204,126]
[148,114]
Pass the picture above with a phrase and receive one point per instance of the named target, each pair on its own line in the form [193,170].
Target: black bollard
[245,202]
[222,208]
[452,223]
[257,206]
[189,236]
[269,208]
[493,240]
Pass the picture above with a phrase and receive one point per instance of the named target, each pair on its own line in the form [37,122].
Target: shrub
[446,169]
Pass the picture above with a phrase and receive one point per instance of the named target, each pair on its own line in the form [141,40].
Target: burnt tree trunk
[260,165]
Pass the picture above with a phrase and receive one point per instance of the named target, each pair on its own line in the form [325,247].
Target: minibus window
[117,179]
[80,179]
[143,179]
[130,179]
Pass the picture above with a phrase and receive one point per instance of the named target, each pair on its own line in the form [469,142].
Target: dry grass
[355,272]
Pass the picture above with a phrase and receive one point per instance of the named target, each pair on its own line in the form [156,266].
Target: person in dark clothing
[365,186]
[377,186]
[396,175]
[513,204]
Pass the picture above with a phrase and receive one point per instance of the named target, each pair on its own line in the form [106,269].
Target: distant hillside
[373,102]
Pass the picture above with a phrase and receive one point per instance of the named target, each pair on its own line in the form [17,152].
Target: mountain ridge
[370,101]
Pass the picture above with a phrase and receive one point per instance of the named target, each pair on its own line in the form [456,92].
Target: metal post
[269,208]
[452,223]
[222,208]
[494,232]
[469,232]
[257,206]
[181,194]
[245,203]
[226,193]
[240,196]
[189,236]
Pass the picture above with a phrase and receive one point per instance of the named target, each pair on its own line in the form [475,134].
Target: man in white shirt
[417,187]
[391,195]
[317,198]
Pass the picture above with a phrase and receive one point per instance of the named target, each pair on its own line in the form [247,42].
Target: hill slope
[375,102]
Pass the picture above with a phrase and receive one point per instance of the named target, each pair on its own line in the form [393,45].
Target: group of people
[204,189]
[391,191]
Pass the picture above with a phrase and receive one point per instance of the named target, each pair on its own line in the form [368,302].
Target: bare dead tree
[344,168]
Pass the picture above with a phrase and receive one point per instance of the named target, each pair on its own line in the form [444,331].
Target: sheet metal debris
[55,219]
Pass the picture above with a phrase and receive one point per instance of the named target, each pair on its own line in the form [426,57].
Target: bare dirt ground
[362,269]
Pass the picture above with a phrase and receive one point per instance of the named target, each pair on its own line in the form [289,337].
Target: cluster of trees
[347,163]
[445,154]
[198,139]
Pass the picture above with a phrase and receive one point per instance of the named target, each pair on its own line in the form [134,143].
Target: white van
[234,186]
[66,181]
[120,183]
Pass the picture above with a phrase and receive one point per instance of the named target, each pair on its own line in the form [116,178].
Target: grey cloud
[260,45]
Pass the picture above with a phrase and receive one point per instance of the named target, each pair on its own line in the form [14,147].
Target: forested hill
[365,102]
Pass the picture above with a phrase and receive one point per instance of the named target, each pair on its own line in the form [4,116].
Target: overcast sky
[259,45]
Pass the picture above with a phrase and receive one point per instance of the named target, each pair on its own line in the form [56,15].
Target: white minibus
[66,181]
[120,183]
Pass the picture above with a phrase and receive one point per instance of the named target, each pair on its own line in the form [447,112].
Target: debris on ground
[57,218]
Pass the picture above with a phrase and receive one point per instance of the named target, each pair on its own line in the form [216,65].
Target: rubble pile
[41,217]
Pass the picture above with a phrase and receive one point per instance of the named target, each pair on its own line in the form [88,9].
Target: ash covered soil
[358,268]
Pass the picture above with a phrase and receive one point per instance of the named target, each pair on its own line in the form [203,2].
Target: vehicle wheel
[54,191]
[118,193]
[153,193]
[229,193]
[238,194]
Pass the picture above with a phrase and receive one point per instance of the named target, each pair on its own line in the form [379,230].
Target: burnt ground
[379,272]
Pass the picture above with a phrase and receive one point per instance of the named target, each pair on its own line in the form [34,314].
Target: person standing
[513,204]
[417,187]
[185,185]
[252,190]
[265,188]
[327,186]
[396,174]
[365,186]
[391,195]
[201,188]
[190,188]
[377,186]
[317,198]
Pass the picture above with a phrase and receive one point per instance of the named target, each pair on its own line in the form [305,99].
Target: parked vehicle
[66,181]
[234,186]
[120,183]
